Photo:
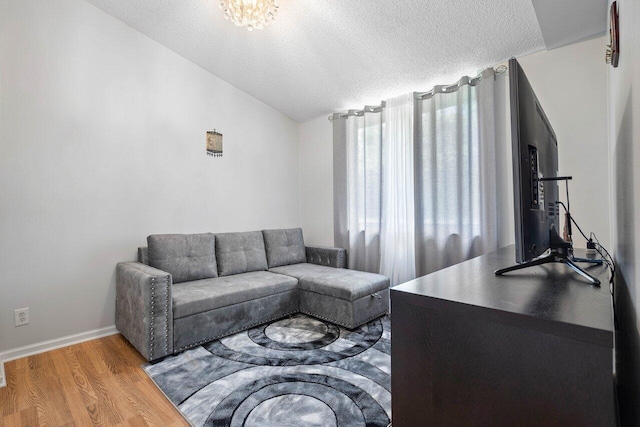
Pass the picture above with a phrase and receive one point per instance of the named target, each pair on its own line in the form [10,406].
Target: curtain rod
[471,81]
[366,109]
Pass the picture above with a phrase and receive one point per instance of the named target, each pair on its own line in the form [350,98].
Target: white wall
[571,85]
[624,133]
[316,181]
[102,142]
[624,147]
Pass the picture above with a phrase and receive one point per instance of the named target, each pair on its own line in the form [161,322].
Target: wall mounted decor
[214,143]
[613,49]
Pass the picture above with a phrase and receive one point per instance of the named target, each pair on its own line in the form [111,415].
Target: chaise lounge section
[186,290]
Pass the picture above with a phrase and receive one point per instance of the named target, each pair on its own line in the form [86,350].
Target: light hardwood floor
[98,383]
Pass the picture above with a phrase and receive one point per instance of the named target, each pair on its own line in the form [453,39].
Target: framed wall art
[214,143]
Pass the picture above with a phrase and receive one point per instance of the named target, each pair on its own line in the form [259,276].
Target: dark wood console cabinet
[532,347]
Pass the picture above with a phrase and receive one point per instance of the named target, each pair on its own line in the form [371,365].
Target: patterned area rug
[296,371]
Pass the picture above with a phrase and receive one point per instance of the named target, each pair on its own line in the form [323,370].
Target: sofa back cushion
[143,255]
[240,252]
[284,247]
[186,256]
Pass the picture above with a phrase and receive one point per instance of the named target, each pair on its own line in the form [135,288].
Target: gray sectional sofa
[187,289]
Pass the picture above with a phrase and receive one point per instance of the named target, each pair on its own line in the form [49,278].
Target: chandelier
[250,13]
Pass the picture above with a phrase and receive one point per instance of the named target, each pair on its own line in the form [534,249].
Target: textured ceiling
[323,56]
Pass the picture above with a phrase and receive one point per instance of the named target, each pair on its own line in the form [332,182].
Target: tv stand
[560,251]
[470,348]
[560,255]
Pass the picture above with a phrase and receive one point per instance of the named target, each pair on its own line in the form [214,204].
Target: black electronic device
[535,181]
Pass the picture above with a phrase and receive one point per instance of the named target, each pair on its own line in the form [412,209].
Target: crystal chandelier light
[250,13]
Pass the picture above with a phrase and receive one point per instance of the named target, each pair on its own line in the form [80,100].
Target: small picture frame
[214,143]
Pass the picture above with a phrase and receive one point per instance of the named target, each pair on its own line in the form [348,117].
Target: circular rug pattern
[297,371]
[312,412]
[360,408]
[295,333]
[317,351]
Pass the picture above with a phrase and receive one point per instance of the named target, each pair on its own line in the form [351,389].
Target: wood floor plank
[24,387]
[113,348]
[152,409]
[20,363]
[133,358]
[102,364]
[97,383]
[74,386]
[70,400]
[97,415]
[137,421]
[9,394]
[18,384]
[53,393]
[29,417]
[44,397]
[12,420]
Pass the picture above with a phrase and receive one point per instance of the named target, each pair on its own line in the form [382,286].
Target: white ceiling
[324,56]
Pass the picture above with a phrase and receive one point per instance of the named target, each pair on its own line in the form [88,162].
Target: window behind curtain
[364,173]
[454,175]
[448,210]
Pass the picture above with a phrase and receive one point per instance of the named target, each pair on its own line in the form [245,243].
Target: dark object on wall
[613,48]
[214,143]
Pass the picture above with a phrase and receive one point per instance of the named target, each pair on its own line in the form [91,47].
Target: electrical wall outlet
[21,316]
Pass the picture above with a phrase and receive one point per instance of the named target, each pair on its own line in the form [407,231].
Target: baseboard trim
[44,346]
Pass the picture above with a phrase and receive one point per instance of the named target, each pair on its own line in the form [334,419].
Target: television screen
[535,183]
[535,156]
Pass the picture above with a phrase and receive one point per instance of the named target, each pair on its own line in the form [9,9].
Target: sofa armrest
[332,257]
[144,313]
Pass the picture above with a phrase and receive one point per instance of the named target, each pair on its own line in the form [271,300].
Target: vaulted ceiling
[324,56]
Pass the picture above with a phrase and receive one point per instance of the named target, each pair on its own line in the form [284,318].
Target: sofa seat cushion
[240,252]
[203,295]
[340,283]
[284,247]
[185,256]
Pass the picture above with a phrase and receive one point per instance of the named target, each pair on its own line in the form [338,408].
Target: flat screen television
[535,156]
[535,181]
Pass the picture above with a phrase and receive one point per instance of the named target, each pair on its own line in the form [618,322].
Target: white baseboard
[44,346]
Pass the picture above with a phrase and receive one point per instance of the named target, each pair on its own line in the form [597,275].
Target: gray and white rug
[297,371]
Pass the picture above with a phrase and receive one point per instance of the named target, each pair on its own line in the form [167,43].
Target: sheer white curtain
[397,250]
[456,180]
[420,177]
[364,172]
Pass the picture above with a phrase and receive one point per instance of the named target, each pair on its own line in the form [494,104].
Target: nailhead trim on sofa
[153,293]
[166,316]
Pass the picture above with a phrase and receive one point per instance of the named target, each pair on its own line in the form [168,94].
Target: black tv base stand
[559,255]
